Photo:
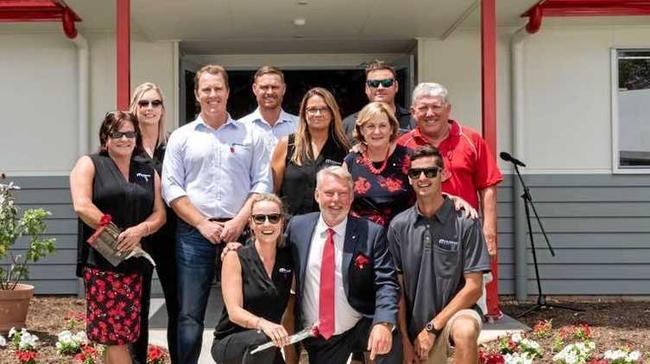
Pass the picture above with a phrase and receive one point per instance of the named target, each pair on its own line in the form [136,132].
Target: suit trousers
[338,348]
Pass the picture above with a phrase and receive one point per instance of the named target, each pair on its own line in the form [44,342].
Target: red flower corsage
[105,220]
[361,261]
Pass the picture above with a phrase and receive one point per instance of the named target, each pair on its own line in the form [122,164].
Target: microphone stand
[528,205]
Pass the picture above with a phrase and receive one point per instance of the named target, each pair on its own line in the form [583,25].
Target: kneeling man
[345,278]
[440,257]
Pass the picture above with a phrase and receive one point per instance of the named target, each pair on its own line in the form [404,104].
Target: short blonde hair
[371,112]
[260,197]
[337,172]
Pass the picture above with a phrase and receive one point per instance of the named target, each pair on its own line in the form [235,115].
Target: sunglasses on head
[120,134]
[261,218]
[388,82]
[153,103]
[414,173]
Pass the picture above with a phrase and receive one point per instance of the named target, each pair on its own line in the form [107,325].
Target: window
[631,110]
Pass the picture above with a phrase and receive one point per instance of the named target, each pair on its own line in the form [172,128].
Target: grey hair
[337,172]
[430,89]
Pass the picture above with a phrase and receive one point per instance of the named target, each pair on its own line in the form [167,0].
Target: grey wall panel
[598,224]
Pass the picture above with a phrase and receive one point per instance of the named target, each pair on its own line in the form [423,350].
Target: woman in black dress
[319,142]
[148,104]
[255,283]
[113,183]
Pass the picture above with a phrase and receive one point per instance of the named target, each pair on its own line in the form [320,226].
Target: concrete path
[158,323]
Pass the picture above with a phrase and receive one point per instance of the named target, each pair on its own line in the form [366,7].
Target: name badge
[448,245]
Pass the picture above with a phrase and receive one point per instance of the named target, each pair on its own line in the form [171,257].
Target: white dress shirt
[345,316]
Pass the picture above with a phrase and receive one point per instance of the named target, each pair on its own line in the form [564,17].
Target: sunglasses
[388,82]
[414,173]
[261,218]
[153,103]
[120,134]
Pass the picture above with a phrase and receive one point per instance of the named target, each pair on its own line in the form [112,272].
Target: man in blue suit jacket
[345,278]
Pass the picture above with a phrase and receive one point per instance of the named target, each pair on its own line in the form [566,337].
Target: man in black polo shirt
[440,257]
[381,86]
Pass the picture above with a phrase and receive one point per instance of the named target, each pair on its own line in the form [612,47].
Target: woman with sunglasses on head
[255,283]
[148,105]
[319,142]
[112,182]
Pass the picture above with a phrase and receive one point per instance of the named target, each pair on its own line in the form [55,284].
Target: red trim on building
[123,51]
[583,8]
[489,117]
[40,10]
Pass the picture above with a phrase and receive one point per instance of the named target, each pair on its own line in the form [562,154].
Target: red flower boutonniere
[361,261]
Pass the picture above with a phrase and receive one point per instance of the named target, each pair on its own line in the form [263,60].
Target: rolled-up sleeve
[261,180]
[173,171]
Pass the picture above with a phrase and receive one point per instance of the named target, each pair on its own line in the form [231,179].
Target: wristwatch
[432,329]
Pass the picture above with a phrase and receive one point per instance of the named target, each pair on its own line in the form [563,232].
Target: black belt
[219,220]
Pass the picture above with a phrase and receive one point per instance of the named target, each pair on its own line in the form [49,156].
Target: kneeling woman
[112,182]
[255,283]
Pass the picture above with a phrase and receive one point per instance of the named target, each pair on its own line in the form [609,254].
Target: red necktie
[326,297]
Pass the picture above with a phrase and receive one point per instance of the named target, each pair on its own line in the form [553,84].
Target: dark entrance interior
[346,85]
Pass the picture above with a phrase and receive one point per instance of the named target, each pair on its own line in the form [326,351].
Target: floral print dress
[381,189]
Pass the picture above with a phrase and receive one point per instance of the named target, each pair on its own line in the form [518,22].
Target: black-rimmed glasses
[261,218]
[414,173]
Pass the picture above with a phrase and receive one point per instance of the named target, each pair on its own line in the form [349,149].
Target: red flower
[105,220]
[26,357]
[361,186]
[390,184]
[361,261]
[487,358]
[155,355]
[406,163]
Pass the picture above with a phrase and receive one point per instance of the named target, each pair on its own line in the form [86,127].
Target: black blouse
[263,296]
[299,182]
[128,202]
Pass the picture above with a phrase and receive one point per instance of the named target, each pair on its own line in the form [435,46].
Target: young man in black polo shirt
[440,257]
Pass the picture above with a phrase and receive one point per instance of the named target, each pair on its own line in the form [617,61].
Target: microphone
[508,158]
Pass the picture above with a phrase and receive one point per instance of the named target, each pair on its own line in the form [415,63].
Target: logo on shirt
[448,245]
[145,176]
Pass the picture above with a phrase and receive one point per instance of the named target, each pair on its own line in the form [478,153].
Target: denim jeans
[197,262]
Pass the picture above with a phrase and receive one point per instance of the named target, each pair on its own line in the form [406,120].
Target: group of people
[351,226]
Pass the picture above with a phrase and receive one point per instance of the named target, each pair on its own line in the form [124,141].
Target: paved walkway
[158,324]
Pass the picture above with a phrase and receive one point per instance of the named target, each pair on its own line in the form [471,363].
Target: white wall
[567,92]
[38,98]
[39,90]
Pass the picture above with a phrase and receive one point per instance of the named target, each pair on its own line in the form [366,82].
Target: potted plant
[14,296]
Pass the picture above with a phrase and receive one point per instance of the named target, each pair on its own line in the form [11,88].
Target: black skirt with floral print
[113,306]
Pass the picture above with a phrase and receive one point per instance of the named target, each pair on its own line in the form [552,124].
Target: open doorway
[347,86]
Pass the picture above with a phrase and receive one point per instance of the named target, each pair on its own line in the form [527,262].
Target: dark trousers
[338,348]
[235,349]
[163,252]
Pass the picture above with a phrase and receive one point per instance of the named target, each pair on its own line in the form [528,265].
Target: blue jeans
[197,262]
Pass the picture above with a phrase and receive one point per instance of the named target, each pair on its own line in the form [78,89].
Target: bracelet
[257,324]
[148,229]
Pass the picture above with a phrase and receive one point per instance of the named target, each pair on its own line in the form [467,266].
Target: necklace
[368,163]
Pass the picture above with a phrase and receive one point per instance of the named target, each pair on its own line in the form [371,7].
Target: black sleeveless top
[166,235]
[263,297]
[128,202]
[299,182]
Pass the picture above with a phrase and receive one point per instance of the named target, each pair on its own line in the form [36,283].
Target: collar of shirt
[284,117]
[401,111]
[200,123]
[455,131]
[443,212]
[339,230]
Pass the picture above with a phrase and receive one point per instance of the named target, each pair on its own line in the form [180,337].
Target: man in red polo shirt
[471,170]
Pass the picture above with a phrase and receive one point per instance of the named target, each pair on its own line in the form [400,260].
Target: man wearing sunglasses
[345,278]
[269,117]
[471,171]
[381,86]
[440,256]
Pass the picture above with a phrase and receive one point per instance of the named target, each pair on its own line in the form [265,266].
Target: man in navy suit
[345,278]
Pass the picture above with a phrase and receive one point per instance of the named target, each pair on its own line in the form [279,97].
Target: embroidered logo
[145,176]
[284,270]
[448,245]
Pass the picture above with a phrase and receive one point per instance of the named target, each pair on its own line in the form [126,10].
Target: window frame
[616,168]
